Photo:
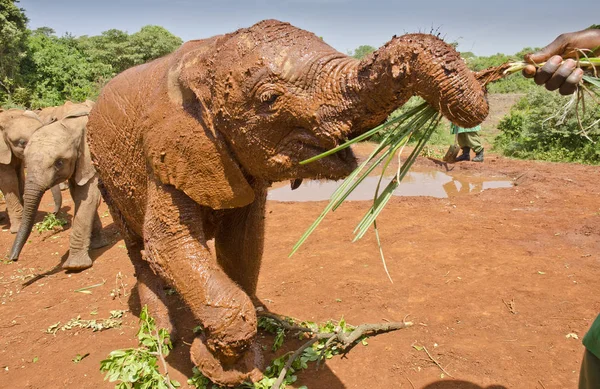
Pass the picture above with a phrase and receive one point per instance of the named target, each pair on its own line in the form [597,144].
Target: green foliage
[39,69]
[542,126]
[55,70]
[137,368]
[361,51]
[121,51]
[319,350]
[593,27]
[50,223]
[514,83]
[13,36]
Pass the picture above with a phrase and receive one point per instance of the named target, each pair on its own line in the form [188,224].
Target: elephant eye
[269,97]
[22,143]
[59,163]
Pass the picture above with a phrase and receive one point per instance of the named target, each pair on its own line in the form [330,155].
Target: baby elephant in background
[16,128]
[58,152]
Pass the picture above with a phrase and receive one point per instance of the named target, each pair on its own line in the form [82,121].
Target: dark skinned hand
[556,74]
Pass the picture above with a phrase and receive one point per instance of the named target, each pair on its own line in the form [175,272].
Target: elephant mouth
[310,145]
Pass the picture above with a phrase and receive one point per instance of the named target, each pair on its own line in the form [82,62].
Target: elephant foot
[98,241]
[153,296]
[14,227]
[246,369]
[78,261]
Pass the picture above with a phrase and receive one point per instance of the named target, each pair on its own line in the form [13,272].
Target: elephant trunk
[32,197]
[422,65]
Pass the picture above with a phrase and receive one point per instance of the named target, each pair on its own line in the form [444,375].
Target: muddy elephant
[187,145]
[55,153]
[16,128]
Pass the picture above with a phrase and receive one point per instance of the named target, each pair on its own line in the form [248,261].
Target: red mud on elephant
[187,145]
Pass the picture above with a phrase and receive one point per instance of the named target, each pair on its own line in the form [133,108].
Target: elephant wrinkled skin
[187,145]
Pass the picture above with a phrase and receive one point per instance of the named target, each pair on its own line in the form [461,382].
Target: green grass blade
[368,134]
[382,200]
[592,80]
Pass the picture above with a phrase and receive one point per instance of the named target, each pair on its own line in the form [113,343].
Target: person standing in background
[468,138]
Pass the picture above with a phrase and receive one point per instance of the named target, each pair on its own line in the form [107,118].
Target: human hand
[555,73]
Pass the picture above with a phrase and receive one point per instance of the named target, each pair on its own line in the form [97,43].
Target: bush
[514,83]
[538,127]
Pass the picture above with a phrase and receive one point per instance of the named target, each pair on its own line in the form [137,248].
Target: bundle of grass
[394,135]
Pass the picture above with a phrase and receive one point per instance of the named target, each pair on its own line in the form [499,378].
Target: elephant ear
[184,150]
[5,151]
[84,170]
[32,115]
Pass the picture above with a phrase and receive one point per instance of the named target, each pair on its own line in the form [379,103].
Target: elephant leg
[87,199]
[175,247]
[57,197]
[239,241]
[9,185]
[151,289]
[98,239]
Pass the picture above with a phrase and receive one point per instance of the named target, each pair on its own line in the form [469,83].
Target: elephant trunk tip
[14,255]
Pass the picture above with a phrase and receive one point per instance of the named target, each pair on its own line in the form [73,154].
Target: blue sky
[480,26]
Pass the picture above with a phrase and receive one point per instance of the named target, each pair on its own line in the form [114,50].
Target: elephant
[187,145]
[50,114]
[17,127]
[55,153]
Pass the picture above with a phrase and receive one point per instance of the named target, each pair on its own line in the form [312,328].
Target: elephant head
[55,153]
[278,94]
[17,127]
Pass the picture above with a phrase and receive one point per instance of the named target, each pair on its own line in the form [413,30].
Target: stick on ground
[343,340]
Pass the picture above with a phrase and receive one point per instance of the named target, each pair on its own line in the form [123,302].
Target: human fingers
[570,85]
[529,71]
[545,72]
[558,78]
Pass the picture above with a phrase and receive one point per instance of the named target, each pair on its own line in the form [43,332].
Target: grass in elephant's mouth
[422,119]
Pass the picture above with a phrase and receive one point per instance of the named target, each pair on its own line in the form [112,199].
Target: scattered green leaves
[114,321]
[319,350]
[51,222]
[138,367]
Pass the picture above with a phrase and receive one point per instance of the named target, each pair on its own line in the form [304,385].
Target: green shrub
[539,127]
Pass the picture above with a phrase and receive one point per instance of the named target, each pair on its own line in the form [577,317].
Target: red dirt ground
[458,264]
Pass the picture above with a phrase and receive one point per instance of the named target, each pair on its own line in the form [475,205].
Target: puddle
[432,183]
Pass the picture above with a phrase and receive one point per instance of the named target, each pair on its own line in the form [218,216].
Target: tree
[56,70]
[122,51]
[151,42]
[362,51]
[13,37]
[111,47]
